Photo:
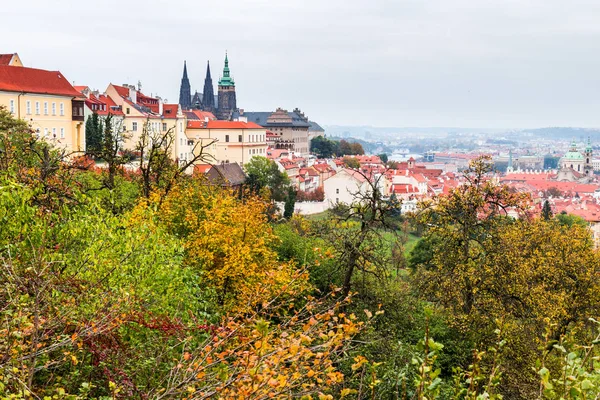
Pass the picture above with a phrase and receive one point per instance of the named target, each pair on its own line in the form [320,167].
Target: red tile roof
[32,80]
[121,90]
[232,125]
[111,106]
[170,110]
[195,124]
[5,58]
[197,114]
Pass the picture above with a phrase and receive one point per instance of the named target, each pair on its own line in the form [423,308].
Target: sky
[422,63]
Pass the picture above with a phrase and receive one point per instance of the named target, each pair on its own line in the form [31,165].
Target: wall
[44,123]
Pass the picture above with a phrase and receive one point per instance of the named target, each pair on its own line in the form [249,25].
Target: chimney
[241,111]
[132,94]
[160,106]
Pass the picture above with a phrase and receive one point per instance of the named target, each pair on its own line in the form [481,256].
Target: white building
[341,187]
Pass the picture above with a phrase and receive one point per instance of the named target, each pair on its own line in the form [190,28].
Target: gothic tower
[226,93]
[588,168]
[185,92]
[208,97]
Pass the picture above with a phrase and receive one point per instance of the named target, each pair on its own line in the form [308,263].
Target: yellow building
[46,101]
[231,141]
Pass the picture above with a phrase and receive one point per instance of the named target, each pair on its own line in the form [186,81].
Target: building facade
[230,141]
[287,127]
[46,101]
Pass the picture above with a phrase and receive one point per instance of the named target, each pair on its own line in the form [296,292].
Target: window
[249,151]
[54,133]
[53,108]
[62,109]
[127,110]
[28,107]
[164,126]
[181,141]
[62,133]
[12,106]
[45,108]
[45,131]
[337,191]
[227,138]
[37,108]
[134,126]
[240,138]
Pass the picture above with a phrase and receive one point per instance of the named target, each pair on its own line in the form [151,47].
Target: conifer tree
[546,211]
[94,134]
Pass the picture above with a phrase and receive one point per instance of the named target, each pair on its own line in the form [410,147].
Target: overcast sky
[467,63]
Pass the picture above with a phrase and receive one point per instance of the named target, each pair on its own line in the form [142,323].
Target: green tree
[546,211]
[351,162]
[323,147]
[94,135]
[264,173]
[383,157]
[570,220]
[290,203]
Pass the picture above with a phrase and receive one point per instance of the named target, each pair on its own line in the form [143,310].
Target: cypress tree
[546,211]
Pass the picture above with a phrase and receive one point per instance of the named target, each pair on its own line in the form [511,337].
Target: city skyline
[444,63]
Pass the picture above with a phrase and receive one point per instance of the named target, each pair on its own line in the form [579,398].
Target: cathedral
[222,106]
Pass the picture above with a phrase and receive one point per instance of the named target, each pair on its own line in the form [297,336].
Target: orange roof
[170,110]
[195,124]
[32,80]
[201,114]
[111,106]
[122,91]
[232,125]
[202,168]
[80,88]
[400,188]
[5,58]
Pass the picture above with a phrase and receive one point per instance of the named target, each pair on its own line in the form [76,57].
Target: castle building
[223,105]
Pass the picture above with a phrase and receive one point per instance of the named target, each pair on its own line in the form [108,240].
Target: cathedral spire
[208,97]
[185,91]
[226,79]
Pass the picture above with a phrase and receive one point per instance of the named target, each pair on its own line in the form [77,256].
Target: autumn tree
[356,231]
[159,166]
[351,162]
[479,248]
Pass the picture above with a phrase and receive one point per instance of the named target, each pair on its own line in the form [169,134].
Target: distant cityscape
[554,165]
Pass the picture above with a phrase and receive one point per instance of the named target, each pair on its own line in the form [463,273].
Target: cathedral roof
[573,155]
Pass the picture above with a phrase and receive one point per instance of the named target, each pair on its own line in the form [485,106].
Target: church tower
[510,168]
[208,97]
[227,102]
[185,91]
[588,168]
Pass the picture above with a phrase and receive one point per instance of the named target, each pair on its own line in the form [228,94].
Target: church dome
[573,155]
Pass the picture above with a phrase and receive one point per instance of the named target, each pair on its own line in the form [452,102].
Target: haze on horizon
[464,63]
